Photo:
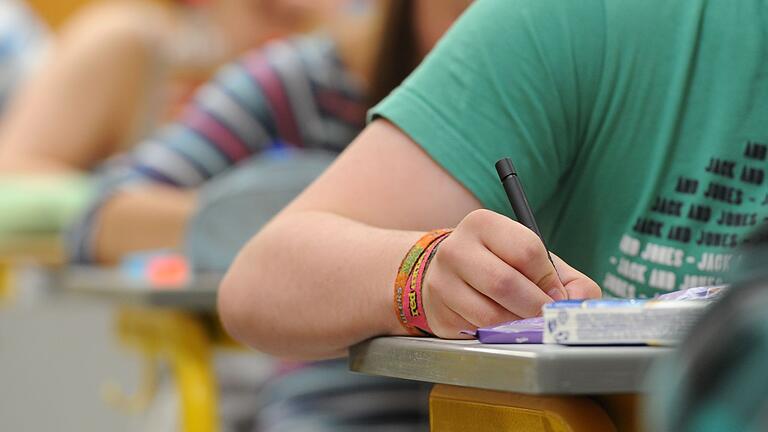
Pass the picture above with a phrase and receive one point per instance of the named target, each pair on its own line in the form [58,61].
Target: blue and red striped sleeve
[289,93]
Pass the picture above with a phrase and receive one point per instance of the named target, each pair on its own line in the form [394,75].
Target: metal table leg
[183,340]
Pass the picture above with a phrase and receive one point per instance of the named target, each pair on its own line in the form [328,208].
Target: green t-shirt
[639,128]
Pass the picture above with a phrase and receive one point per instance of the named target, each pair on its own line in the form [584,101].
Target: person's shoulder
[316,57]
[312,49]
[312,54]
[316,44]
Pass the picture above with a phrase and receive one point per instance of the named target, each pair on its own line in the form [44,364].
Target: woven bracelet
[412,261]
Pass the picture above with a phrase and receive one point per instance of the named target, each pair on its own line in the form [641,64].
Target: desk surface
[111,284]
[44,249]
[531,369]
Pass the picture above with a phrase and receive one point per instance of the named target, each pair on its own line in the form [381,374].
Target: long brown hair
[398,52]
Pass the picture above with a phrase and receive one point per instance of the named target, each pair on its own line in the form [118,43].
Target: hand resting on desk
[492,269]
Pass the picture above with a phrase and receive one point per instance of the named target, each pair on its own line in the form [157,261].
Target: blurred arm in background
[294,92]
[82,103]
[116,68]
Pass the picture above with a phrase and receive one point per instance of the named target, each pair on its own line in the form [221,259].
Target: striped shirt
[290,93]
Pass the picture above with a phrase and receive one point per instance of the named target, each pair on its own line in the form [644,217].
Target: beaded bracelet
[408,287]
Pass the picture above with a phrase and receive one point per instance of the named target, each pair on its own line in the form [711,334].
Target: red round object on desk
[168,271]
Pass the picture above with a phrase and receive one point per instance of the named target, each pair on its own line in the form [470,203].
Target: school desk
[177,325]
[19,249]
[483,387]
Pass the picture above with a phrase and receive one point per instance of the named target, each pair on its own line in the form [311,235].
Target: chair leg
[183,341]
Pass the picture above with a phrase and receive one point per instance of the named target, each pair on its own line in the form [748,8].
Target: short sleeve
[512,78]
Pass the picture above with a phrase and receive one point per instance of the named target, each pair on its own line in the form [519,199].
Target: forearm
[84,102]
[153,217]
[320,276]
[335,279]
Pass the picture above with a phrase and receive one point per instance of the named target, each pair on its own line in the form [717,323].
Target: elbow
[240,308]
[263,309]
[243,304]
[232,308]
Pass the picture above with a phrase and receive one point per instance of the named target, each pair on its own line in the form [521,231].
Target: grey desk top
[113,285]
[531,369]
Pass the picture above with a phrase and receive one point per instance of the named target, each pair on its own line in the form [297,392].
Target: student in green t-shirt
[638,128]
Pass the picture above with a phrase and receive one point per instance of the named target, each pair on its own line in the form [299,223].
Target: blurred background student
[104,78]
[301,93]
[117,68]
[79,94]
[23,42]
[307,94]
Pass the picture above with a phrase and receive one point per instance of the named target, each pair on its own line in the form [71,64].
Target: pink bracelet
[412,303]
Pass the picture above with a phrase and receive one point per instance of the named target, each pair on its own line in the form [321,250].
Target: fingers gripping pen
[514,189]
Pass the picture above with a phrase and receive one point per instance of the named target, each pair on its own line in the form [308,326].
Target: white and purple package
[661,321]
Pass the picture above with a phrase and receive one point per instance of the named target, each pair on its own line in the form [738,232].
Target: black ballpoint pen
[514,190]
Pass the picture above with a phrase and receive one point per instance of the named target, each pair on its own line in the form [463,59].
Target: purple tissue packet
[526,331]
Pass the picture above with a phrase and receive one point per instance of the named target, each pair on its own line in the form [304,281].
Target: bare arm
[150,217]
[228,121]
[349,238]
[84,102]
[319,277]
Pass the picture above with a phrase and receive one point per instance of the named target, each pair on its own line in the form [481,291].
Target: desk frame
[171,324]
[185,343]
[598,391]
